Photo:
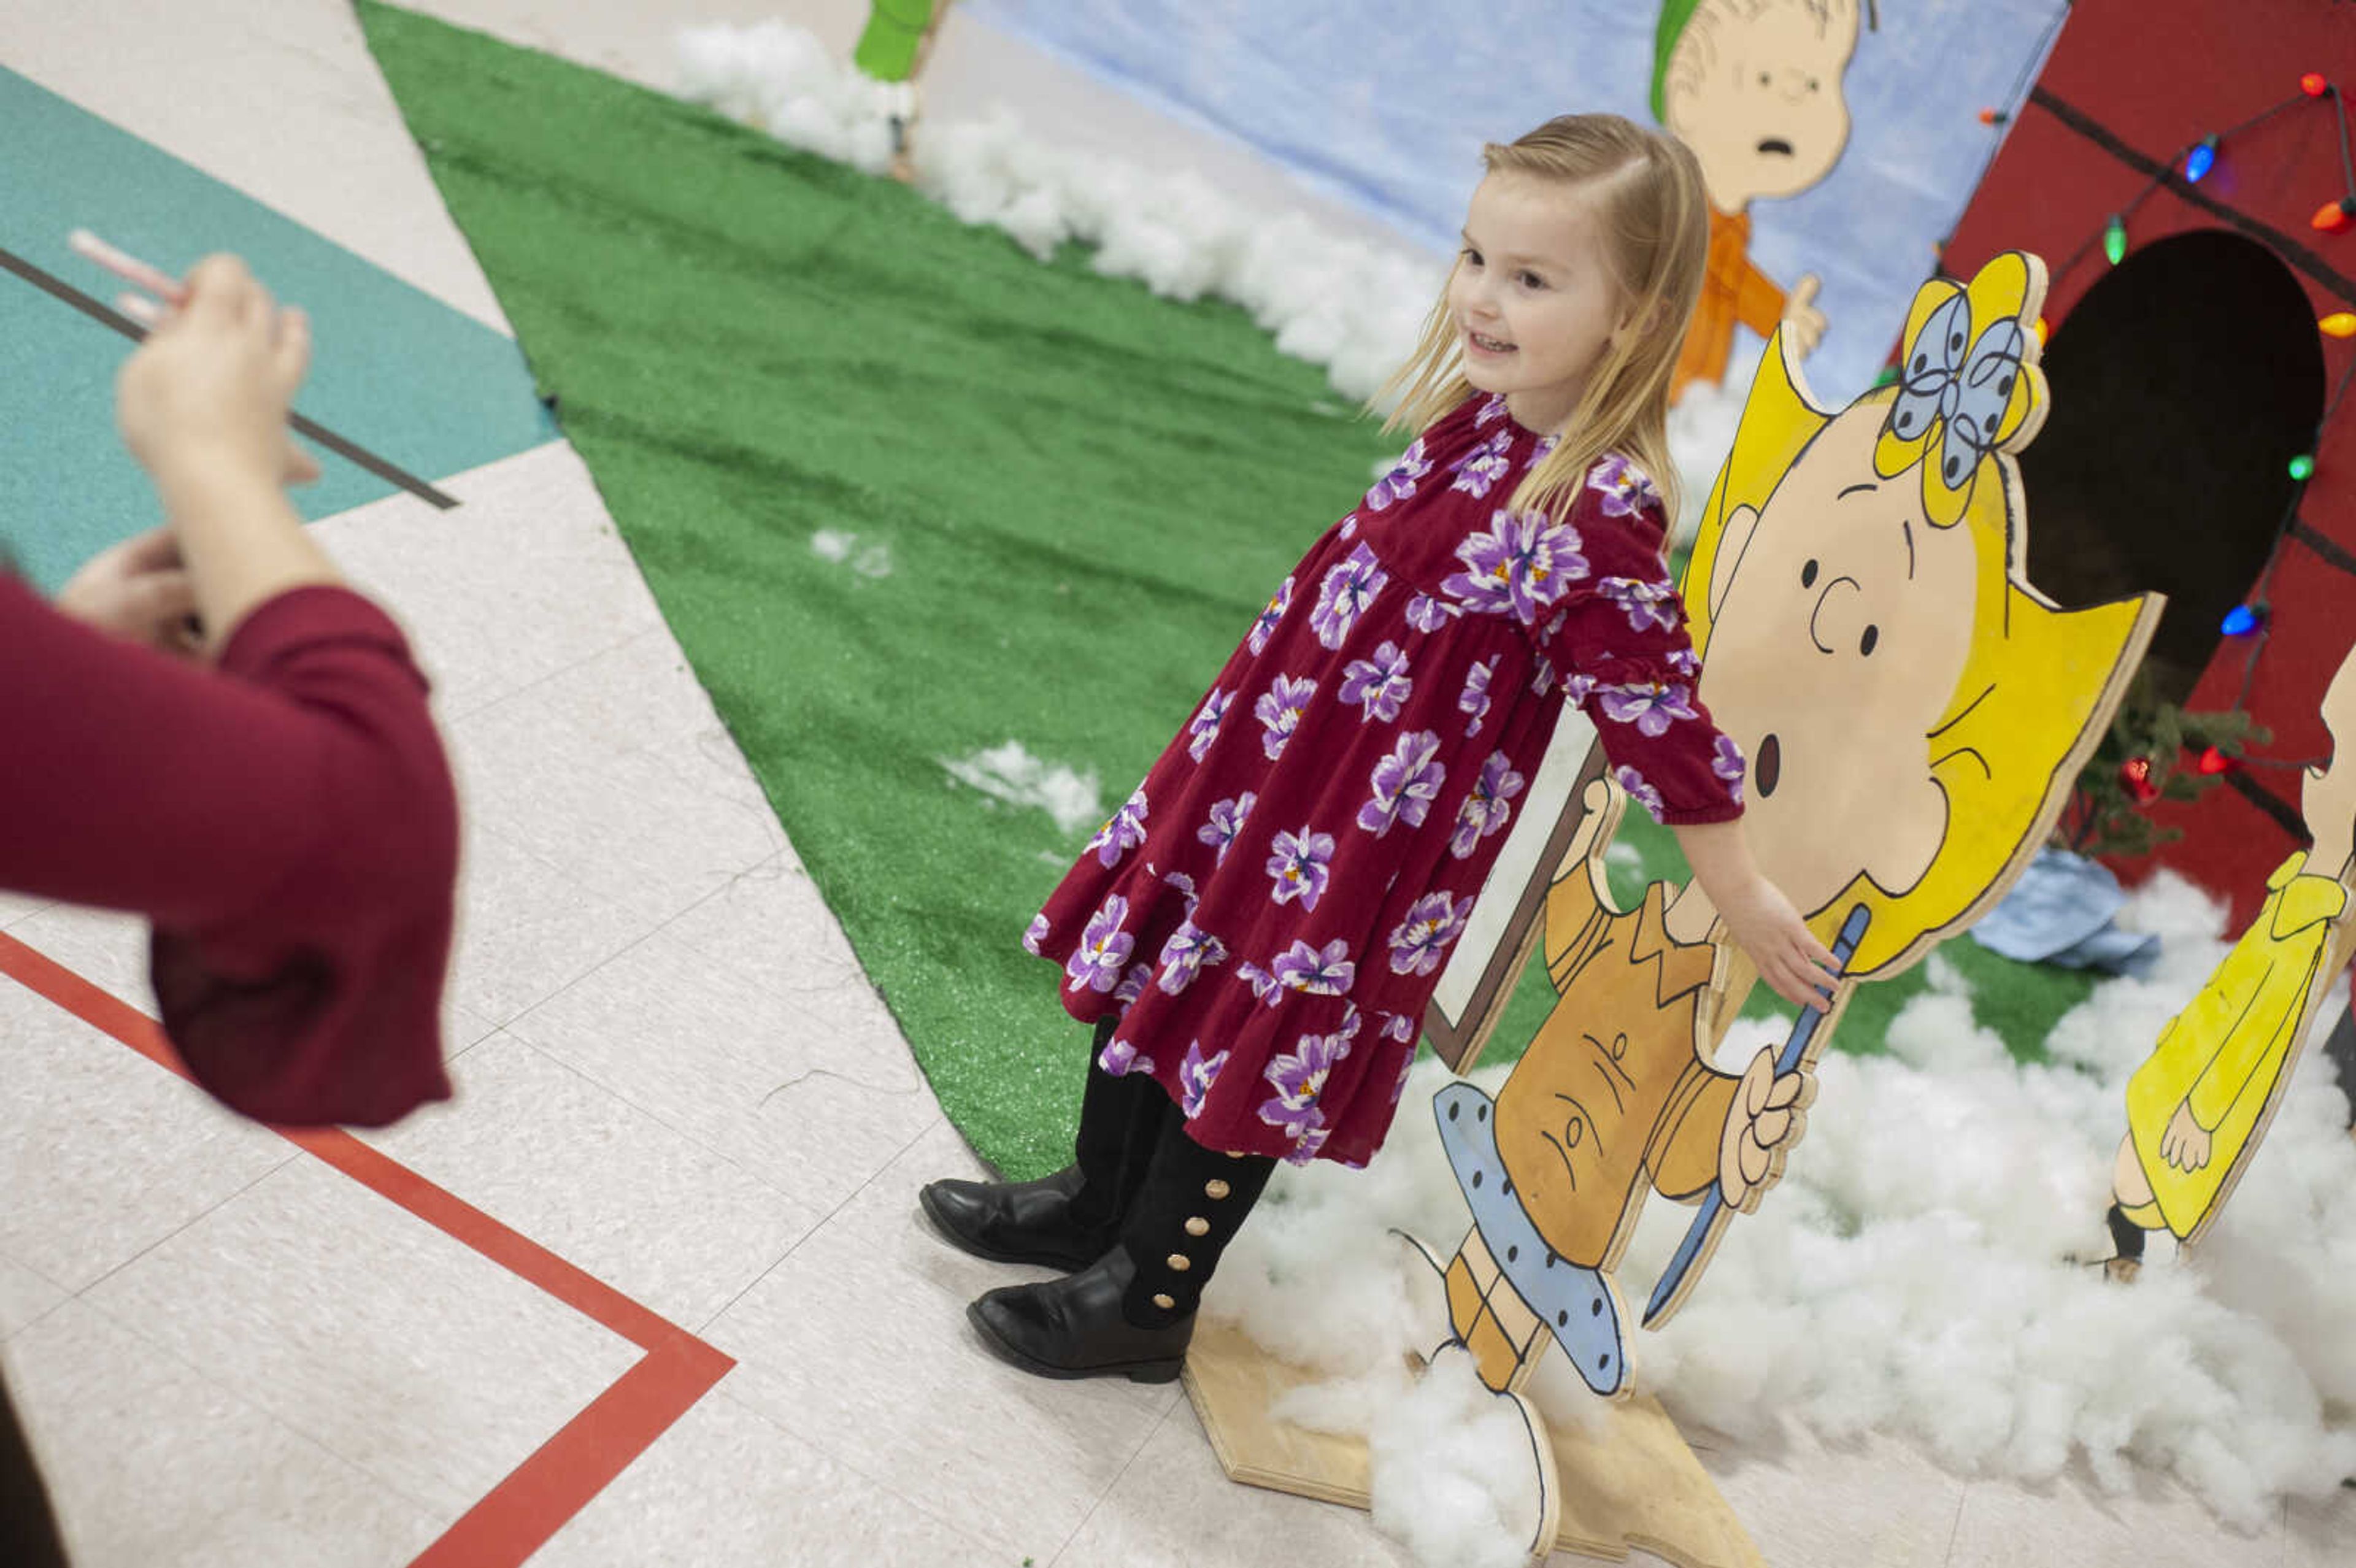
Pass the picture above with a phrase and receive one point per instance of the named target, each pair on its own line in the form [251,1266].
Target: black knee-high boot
[1131,1312]
[28,1531]
[1065,1221]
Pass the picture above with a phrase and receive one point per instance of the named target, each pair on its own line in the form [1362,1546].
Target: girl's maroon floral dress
[1269,912]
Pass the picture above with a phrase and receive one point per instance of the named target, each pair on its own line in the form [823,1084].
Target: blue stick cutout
[1795,1050]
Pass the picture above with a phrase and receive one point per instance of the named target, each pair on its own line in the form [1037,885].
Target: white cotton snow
[1701,433]
[1348,306]
[833,544]
[1014,775]
[1909,1276]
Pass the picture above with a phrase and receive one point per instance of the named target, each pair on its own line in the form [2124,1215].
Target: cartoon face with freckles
[1841,623]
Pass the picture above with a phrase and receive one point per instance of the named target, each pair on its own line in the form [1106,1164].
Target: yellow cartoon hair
[2039,686]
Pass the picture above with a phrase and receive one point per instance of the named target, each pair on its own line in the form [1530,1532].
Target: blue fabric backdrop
[1387,103]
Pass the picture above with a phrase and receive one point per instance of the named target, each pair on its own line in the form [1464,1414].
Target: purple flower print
[1104,948]
[1311,1142]
[1626,490]
[1298,865]
[1399,483]
[1426,613]
[1328,974]
[1520,565]
[1133,984]
[1475,698]
[1350,527]
[1263,984]
[1344,594]
[1278,710]
[1650,708]
[1544,448]
[1647,605]
[1686,661]
[1482,467]
[1205,727]
[1227,823]
[1185,886]
[1298,1077]
[1036,935]
[1189,950]
[1122,834]
[1405,784]
[1378,685]
[1577,689]
[1641,792]
[1432,923]
[1400,1027]
[1264,627]
[1486,809]
[1727,763]
[1398,1085]
[1491,412]
[1195,1076]
[1120,1060]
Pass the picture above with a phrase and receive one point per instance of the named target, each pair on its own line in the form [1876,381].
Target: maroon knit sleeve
[288,822]
[1619,645]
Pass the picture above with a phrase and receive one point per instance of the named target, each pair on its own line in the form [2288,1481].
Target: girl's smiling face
[1533,298]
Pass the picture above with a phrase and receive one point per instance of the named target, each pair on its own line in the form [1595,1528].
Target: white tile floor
[672,1070]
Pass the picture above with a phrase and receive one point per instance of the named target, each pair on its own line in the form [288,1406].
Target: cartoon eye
[1764,78]
[1808,575]
[1812,84]
[1867,644]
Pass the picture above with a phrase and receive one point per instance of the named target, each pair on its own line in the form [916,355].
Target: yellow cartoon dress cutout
[1914,712]
[2198,1106]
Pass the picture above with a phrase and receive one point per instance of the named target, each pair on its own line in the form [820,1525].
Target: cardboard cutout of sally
[1914,713]
[2198,1108]
[1755,87]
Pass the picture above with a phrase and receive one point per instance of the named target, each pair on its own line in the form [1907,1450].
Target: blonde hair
[2039,686]
[1656,224]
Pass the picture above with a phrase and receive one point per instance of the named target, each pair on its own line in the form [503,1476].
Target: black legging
[28,1531]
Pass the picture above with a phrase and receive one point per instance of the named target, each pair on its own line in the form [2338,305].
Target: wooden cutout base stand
[1637,1485]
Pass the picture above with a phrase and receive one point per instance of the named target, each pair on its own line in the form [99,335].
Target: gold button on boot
[1198,1226]
[1179,1263]
[1216,1190]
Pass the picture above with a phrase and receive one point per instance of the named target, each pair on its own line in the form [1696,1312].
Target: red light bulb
[2333,217]
[2313,84]
[2214,762]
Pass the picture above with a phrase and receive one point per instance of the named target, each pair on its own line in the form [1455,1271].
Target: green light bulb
[2302,467]
[2115,241]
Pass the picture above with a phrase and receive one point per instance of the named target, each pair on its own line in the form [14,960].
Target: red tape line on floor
[516,1517]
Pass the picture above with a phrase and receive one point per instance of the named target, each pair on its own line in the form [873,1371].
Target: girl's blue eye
[1531,280]
[1472,257]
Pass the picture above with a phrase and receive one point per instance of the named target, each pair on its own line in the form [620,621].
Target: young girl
[1257,932]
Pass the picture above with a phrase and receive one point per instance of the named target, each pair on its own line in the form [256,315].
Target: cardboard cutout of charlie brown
[1755,87]
[1915,714]
[2198,1108]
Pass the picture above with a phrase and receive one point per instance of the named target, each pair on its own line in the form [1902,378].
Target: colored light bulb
[2214,762]
[2334,216]
[2338,323]
[2302,467]
[2114,239]
[2241,621]
[2135,774]
[1989,117]
[2041,330]
[2313,84]
[2201,160]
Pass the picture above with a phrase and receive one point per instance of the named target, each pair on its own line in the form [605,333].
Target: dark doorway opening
[2183,383]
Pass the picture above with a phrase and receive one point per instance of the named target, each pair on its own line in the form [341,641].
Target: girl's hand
[138,591]
[209,387]
[1766,927]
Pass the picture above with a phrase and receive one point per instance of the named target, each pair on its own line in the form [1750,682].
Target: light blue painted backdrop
[1387,103]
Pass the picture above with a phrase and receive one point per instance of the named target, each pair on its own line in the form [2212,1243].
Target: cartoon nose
[1820,621]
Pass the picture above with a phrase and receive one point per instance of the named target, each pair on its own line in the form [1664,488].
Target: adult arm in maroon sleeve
[287,821]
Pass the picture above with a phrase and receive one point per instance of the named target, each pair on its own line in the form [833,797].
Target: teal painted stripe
[426,388]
